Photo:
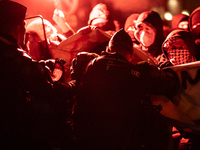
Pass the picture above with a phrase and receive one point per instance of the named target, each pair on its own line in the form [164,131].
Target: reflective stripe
[5,41]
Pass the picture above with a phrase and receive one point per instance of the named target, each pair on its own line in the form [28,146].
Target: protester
[129,27]
[180,21]
[194,25]
[109,113]
[178,48]
[42,36]
[149,32]
[33,107]
[59,19]
[101,17]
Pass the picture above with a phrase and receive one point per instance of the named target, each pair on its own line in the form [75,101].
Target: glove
[163,61]
[55,68]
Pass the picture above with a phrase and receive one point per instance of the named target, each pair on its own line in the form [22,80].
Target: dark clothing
[153,18]
[109,110]
[178,48]
[194,21]
[31,106]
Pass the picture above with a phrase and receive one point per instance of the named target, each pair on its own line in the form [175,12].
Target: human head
[100,17]
[129,25]
[194,23]
[179,47]
[121,43]
[149,28]
[36,26]
[39,42]
[37,46]
[180,21]
[12,16]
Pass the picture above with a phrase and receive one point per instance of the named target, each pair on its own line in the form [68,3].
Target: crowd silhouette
[102,98]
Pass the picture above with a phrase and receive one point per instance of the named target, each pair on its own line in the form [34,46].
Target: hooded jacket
[153,18]
[101,15]
[194,18]
[194,26]
[178,48]
[130,21]
[177,19]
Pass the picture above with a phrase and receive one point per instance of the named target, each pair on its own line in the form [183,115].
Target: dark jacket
[30,104]
[109,102]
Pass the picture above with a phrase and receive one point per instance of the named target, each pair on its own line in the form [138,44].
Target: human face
[145,34]
[177,51]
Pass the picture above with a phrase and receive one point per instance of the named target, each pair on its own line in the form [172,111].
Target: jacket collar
[8,39]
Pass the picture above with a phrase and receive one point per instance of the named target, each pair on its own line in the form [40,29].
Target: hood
[177,19]
[99,14]
[100,17]
[130,21]
[180,41]
[194,17]
[194,23]
[153,18]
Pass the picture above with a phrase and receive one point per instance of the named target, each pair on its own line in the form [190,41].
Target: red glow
[81,8]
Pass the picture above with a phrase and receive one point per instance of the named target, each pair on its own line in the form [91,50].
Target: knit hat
[121,37]
[11,12]
[130,21]
[99,14]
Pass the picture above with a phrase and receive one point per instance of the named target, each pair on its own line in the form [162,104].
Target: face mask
[177,51]
[180,56]
[145,34]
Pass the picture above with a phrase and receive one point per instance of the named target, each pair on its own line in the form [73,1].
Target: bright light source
[174,6]
[185,12]
[173,3]
[168,16]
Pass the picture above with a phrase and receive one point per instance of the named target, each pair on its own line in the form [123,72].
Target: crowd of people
[106,104]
